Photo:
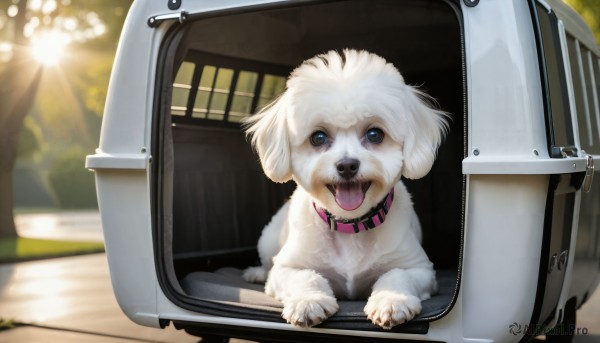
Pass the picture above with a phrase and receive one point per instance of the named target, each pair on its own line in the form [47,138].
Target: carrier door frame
[162,187]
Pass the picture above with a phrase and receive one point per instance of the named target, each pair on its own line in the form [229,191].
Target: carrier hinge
[155,20]
[589,174]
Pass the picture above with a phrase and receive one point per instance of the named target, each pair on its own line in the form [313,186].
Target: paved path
[67,225]
[71,300]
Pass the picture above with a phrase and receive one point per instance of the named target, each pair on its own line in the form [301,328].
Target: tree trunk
[7,223]
[20,80]
[16,102]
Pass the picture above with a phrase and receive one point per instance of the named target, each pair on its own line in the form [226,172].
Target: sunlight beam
[49,48]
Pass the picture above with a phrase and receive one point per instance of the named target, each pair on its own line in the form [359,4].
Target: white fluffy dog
[346,130]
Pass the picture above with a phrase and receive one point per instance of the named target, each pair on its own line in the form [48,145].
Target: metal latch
[568,151]
[589,174]
[154,21]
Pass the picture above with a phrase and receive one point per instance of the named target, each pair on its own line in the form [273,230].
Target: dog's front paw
[255,274]
[388,309]
[309,310]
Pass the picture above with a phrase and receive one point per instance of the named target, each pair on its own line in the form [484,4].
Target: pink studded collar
[371,220]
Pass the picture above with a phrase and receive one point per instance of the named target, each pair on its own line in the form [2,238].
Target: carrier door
[583,68]
[560,204]
[563,126]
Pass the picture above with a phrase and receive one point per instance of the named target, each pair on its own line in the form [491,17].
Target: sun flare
[49,48]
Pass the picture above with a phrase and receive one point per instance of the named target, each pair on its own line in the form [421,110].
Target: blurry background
[55,62]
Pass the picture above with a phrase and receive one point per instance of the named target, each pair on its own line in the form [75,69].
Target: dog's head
[346,129]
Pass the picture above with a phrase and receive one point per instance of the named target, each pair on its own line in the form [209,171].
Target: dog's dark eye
[319,138]
[374,135]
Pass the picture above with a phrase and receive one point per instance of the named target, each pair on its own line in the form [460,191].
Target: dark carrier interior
[211,197]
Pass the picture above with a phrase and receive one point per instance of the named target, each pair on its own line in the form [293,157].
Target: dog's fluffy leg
[306,295]
[397,295]
[269,244]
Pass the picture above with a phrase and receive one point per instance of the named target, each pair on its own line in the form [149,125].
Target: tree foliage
[29,140]
[590,11]
[73,186]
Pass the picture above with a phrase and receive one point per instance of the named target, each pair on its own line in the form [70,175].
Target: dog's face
[346,129]
[342,151]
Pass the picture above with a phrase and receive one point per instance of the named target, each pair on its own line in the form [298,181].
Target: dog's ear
[425,132]
[269,136]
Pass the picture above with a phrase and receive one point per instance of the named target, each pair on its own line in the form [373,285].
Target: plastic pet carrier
[509,212]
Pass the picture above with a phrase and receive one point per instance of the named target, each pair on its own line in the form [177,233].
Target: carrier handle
[127,161]
[524,165]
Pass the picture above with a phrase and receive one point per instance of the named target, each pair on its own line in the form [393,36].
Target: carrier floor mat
[225,289]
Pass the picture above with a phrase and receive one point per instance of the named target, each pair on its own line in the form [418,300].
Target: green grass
[7,324]
[26,249]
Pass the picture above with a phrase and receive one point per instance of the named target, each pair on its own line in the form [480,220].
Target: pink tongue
[349,196]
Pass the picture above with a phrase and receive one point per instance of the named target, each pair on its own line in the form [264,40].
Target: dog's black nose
[347,167]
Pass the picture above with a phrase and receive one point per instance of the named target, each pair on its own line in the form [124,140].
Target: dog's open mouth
[349,195]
